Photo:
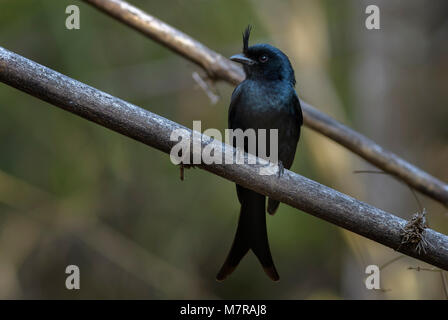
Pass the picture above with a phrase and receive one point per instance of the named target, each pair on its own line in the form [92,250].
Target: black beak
[241,58]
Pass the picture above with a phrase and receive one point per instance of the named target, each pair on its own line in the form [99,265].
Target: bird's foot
[281,169]
[183,166]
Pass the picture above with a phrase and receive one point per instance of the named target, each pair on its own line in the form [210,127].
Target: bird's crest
[246,35]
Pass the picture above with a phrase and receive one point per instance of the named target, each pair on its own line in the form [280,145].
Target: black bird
[266,99]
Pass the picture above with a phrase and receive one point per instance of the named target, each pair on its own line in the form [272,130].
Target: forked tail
[250,234]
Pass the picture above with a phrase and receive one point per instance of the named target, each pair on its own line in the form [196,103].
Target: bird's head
[264,62]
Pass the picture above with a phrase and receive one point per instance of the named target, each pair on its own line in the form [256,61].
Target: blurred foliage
[72,192]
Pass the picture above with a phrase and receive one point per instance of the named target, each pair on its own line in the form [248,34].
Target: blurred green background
[72,192]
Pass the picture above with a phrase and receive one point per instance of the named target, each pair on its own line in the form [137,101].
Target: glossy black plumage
[266,99]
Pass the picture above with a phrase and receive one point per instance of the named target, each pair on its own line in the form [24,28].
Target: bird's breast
[268,105]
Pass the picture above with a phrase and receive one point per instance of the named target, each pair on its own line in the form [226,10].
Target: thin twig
[420,206]
[214,98]
[418,268]
[442,274]
[388,263]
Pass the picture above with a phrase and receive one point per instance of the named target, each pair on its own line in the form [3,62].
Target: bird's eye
[263,58]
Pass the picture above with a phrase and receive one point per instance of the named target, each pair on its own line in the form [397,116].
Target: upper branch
[220,68]
[155,131]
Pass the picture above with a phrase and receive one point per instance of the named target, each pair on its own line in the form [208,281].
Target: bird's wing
[298,109]
[236,94]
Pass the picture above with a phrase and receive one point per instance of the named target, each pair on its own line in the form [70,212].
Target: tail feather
[239,249]
[251,234]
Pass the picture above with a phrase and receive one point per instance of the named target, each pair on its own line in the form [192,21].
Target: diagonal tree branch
[155,131]
[218,67]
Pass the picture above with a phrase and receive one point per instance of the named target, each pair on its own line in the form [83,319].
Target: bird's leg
[281,169]
[183,166]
